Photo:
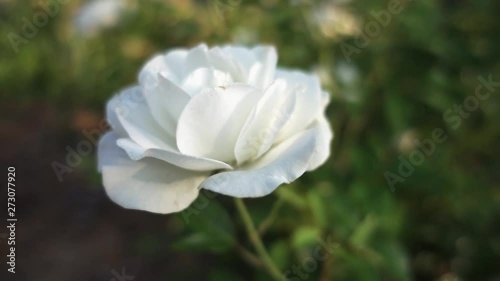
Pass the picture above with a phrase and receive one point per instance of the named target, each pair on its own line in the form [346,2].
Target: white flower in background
[334,20]
[347,73]
[224,119]
[348,77]
[98,14]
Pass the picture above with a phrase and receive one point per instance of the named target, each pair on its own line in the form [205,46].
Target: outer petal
[116,103]
[309,101]
[137,152]
[241,56]
[262,72]
[222,60]
[325,135]
[172,64]
[140,124]
[166,102]
[252,66]
[175,61]
[282,164]
[211,122]
[148,185]
[196,58]
[265,122]
[148,139]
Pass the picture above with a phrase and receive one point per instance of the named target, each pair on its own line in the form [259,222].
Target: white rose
[224,119]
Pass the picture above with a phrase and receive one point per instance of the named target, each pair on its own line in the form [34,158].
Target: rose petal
[308,104]
[137,152]
[197,57]
[211,122]
[166,102]
[251,66]
[205,78]
[149,185]
[112,118]
[242,57]
[263,71]
[140,125]
[282,164]
[172,64]
[223,61]
[148,139]
[325,136]
[265,122]
[175,61]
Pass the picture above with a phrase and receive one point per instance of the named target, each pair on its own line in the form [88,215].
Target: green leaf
[395,256]
[317,208]
[201,242]
[305,236]
[364,231]
[280,252]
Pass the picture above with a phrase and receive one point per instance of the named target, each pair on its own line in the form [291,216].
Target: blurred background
[396,204]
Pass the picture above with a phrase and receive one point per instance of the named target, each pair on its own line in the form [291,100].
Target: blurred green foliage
[441,223]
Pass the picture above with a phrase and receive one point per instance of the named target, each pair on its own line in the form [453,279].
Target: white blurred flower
[224,119]
[347,73]
[348,77]
[98,14]
[334,20]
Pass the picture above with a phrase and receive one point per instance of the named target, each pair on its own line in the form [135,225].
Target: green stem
[268,221]
[249,257]
[254,237]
